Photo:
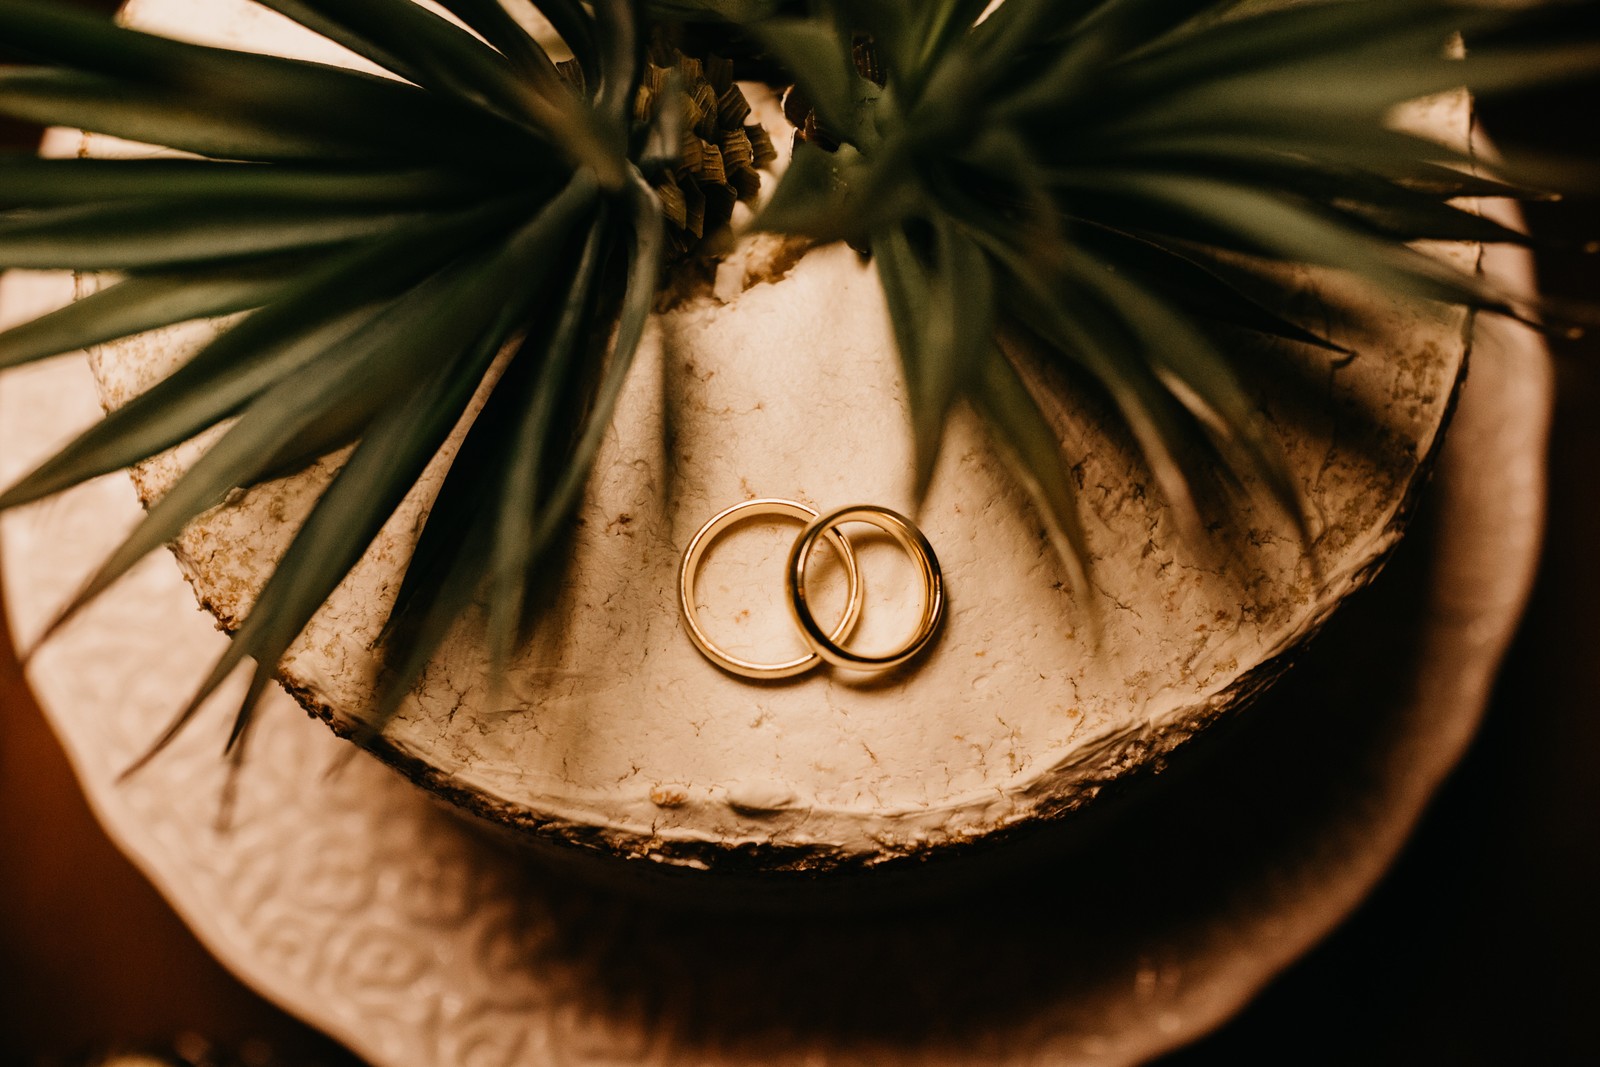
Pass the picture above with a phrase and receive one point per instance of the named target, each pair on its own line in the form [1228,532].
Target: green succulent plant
[1065,175]
[1084,178]
[385,240]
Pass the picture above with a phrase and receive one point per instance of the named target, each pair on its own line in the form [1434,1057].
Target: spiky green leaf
[143,234]
[142,303]
[33,182]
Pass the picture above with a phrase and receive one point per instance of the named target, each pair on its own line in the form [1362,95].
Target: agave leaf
[312,18]
[492,291]
[1363,88]
[493,493]
[186,403]
[617,42]
[465,308]
[372,334]
[959,335]
[171,233]
[1201,379]
[52,34]
[647,240]
[226,465]
[462,510]
[1050,50]
[347,516]
[160,116]
[1113,28]
[1014,26]
[1194,286]
[1003,153]
[274,420]
[1288,37]
[449,565]
[802,201]
[887,23]
[292,97]
[944,319]
[1081,332]
[324,310]
[346,425]
[521,492]
[821,63]
[739,12]
[142,303]
[341,429]
[575,25]
[1134,23]
[831,196]
[906,292]
[58,182]
[1550,175]
[1260,222]
[490,20]
[1403,157]
[1450,183]
[938,101]
[942,24]
[1291,31]
[1426,219]
[442,57]
[1031,445]
[1182,273]
[619,54]
[378,476]
[1371,201]
[897,32]
[443,589]
[1345,144]
[1504,69]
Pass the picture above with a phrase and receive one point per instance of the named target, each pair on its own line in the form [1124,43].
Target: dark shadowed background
[1481,947]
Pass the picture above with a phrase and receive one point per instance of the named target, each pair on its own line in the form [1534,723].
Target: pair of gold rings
[826,645]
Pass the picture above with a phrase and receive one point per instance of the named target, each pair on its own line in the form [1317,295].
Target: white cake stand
[357,904]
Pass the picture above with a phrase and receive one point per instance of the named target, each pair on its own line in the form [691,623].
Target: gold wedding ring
[906,534]
[690,570]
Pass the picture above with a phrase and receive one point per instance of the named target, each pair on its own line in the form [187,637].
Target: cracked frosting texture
[614,733]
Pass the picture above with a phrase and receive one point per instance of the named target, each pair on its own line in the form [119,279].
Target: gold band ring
[690,570]
[916,546]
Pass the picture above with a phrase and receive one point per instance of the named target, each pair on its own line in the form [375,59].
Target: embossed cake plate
[356,902]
